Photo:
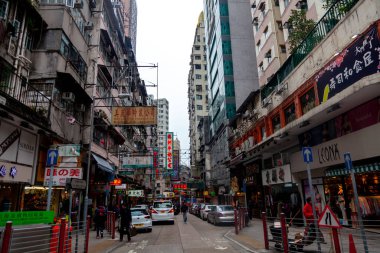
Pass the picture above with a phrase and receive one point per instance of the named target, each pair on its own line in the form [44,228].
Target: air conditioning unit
[88,25]
[78,4]
[68,96]
[281,88]
[267,101]
[81,108]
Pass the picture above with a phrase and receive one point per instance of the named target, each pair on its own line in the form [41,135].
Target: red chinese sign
[155,161]
[60,175]
[116,181]
[169,150]
[179,186]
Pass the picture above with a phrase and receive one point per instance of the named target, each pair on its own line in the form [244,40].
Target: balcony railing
[332,16]
[23,98]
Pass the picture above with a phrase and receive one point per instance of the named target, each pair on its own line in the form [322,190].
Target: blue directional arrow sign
[307,154]
[348,161]
[52,157]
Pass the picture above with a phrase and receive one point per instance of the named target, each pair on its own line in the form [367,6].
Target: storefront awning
[358,169]
[103,164]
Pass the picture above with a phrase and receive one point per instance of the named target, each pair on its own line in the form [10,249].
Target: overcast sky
[165,34]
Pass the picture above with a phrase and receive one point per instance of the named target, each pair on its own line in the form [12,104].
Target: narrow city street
[195,236]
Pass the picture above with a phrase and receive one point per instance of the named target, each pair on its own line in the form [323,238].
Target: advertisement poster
[319,193]
[359,60]
[277,175]
[137,115]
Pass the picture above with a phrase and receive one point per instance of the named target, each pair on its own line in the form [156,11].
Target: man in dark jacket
[100,220]
[184,209]
[125,222]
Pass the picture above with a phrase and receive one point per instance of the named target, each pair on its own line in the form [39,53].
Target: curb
[226,235]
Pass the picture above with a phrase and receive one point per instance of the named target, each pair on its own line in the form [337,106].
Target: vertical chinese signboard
[174,176]
[169,150]
[155,162]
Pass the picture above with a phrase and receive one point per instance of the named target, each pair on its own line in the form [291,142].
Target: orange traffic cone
[352,248]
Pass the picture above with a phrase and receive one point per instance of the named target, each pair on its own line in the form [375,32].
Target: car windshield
[139,212]
[162,205]
[226,208]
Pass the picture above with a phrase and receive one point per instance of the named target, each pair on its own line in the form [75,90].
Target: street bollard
[62,233]
[236,222]
[6,246]
[113,225]
[87,233]
[284,233]
[265,229]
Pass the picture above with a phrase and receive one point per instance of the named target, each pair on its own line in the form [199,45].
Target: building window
[283,49]
[199,107]
[198,38]
[308,101]
[197,57]
[198,76]
[263,133]
[197,66]
[276,123]
[198,97]
[198,88]
[265,32]
[286,3]
[197,47]
[290,113]
[258,45]
[3,9]
[268,55]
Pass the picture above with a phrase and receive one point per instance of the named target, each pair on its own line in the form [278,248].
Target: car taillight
[153,211]
[171,210]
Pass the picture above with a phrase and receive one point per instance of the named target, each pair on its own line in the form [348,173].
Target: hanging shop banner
[277,175]
[138,115]
[135,193]
[136,162]
[175,175]
[17,145]
[61,174]
[155,162]
[359,60]
[169,150]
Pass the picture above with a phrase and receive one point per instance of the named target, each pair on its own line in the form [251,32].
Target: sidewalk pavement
[103,245]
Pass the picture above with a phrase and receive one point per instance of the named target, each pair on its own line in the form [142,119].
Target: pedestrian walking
[184,210]
[100,220]
[125,222]
[311,231]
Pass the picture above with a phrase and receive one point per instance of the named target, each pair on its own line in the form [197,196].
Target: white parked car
[141,219]
[204,211]
[162,211]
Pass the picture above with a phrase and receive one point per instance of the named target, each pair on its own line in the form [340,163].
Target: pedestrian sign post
[307,154]
[348,161]
[52,157]
[328,219]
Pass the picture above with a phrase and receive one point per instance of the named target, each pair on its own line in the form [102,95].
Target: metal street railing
[332,16]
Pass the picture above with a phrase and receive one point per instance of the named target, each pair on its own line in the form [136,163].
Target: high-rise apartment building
[197,94]
[232,74]
[271,31]
[162,128]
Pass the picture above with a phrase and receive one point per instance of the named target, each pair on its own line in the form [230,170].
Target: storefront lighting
[35,188]
[355,36]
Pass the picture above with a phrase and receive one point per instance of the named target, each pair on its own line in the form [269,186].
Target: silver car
[204,211]
[221,214]
[162,211]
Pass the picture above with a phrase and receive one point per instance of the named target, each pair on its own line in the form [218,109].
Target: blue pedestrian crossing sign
[307,154]
[52,157]
[348,161]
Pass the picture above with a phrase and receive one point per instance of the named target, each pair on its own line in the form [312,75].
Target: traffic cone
[352,248]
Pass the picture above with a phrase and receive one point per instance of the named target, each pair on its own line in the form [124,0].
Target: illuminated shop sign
[169,150]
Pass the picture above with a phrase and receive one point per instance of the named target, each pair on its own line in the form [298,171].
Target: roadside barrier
[53,238]
[241,219]
[291,235]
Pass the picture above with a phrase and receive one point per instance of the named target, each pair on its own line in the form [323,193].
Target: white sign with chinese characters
[61,174]
[136,193]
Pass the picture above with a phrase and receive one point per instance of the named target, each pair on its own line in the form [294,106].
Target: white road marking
[220,247]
